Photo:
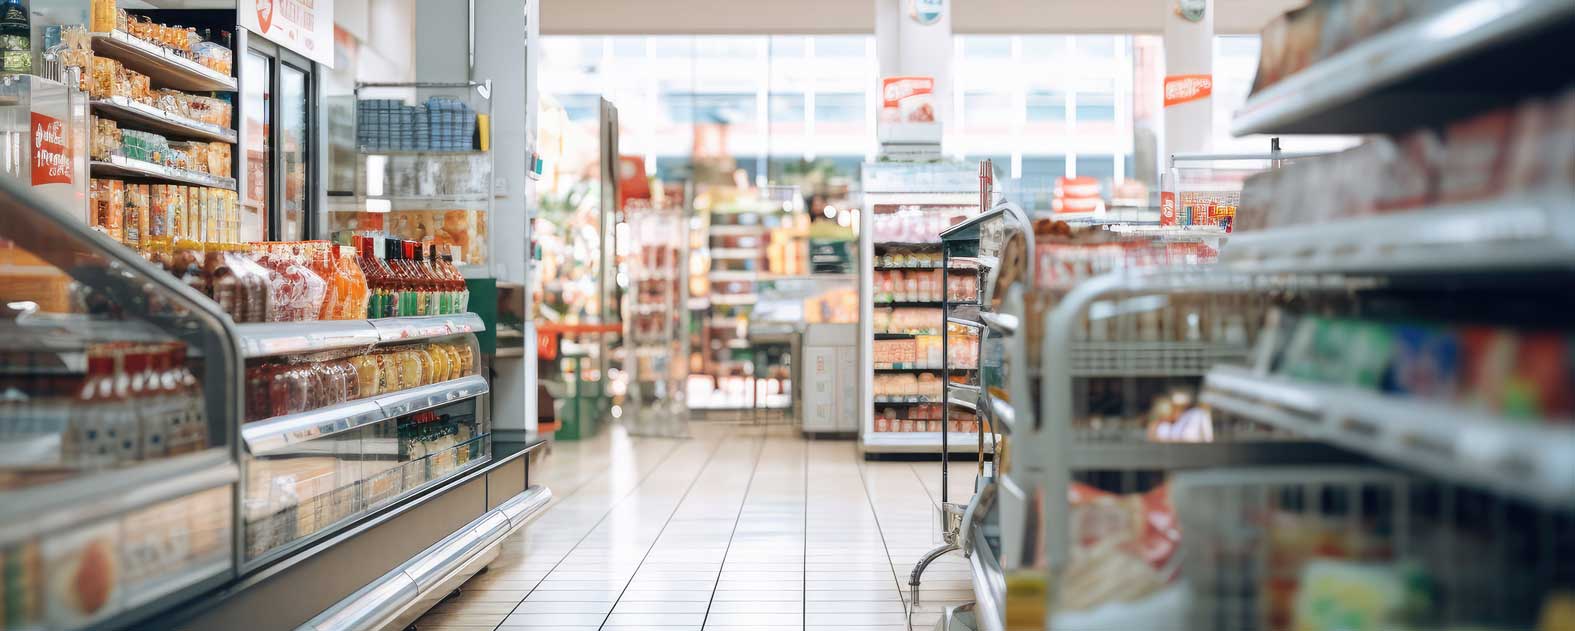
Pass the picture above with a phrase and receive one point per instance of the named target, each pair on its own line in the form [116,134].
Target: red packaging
[1488,356]
[1536,391]
[882,424]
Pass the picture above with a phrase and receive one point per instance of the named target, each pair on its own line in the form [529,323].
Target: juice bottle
[320,260]
[372,269]
[354,303]
[421,288]
[461,290]
[190,431]
[398,286]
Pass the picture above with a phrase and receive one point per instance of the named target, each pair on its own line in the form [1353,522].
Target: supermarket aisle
[738,528]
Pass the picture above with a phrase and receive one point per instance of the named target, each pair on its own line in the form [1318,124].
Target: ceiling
[755,17]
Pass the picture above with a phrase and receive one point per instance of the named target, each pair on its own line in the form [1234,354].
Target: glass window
[1096,107]
[257,72]
[987,109]
[841,46]
[627,47]
[580,107]
[1098,166]
[789,46]
[987,47]
[1039,48]
[1046,106]
[786,108]
[1043,167]
[839,108]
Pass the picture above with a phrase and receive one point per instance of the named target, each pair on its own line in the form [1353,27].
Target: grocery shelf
[906,368]
[963,394]
[269,339]
[734,299]
[737,230]
[917,303]
[923,442]
[368,151]
[737,253]
[909,245]
[1152,359]
[279,433]
[1531,461]
[1161,456]
[1518,232]
[1430,69]
[127,167]
[149,118]
[905,400]
[164,67]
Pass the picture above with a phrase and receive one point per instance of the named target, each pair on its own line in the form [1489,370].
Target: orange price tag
[1187,87]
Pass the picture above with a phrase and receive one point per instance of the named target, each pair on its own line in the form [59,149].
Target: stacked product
[907,320]
[294,386]
[909,260]
[923,418]
[155,217]
[1522,375]
[403,282]
[440,124]
[109,140]
[181,41]
[908,387]
[1322,28]
[1522,149]
[924,286]
[132,402]
[917,224]
[923,352]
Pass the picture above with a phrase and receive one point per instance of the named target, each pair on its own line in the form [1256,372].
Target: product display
[1522,375]
[401,281]
[1522,149]
[280,388]
[185,42]
[440,124]
[916,224]
[155,217]
[924,286]
[130,403]
[923,352]
[1322,28]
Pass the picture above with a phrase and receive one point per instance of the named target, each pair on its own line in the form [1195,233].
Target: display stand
[898,198]
[653,324]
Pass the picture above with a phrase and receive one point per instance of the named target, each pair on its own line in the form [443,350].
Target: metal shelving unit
[1430,69]
[153,119]
[164,67]
[270,339]
[122,166]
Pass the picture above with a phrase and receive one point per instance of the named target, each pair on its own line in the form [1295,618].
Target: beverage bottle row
[134,402]
[294,386]
[404,279]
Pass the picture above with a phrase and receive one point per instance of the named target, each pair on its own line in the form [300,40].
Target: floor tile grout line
[658,539]
[804,592]
[864,485]
[614,506]
[759,455]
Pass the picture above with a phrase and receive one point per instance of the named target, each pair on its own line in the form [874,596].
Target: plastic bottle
[190,433]
[425,280]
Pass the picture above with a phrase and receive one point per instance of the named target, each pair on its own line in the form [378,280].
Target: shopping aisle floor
[738,527]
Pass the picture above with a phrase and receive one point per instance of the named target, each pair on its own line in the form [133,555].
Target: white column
[1189,50]
[907,47]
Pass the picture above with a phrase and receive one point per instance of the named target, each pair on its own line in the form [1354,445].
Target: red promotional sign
[1188,87]
[51,152]
[1167,209]
[908,99]
[264,16]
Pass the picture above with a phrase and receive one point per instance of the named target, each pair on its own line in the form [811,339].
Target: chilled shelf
[127,167]
[1152,359]
[1521,232]
[279,433]
[147,117]
[164,67]
[1431,69]
[736,253]
[1532,461]
[927,442]
[268,339]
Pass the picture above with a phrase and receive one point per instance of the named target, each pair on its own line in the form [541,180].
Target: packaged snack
[1489,361]
[1537,389]
[1426,363]
[1475,157]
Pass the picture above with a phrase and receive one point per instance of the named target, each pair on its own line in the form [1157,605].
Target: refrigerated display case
[118,453]
[906,207]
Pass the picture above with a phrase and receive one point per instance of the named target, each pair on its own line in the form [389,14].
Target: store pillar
[914,38]
[1189,77]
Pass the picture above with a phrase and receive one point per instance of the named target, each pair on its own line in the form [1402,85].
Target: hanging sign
[1185,88]
[926,12]
[1167,208]
[51,152]
[304,26]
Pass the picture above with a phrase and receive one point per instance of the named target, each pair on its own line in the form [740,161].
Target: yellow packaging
[103,16]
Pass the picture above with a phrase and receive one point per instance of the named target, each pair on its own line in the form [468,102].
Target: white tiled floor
[739,527]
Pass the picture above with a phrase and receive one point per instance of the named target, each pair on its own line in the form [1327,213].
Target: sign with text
[304,26]
[1187,87]
[51,152]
